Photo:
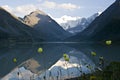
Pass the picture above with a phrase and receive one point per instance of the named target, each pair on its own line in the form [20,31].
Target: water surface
[26,54]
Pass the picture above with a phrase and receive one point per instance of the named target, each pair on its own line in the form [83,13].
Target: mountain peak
[34,17]
[38,12]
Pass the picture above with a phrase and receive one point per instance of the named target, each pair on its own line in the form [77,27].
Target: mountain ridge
[104,27]
[75,25]
[35,28]
[48,28]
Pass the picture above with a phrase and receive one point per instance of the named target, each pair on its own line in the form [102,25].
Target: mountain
[45,25]
[82,24]
[76,24]
[104,27]
[12,29]
[67,21]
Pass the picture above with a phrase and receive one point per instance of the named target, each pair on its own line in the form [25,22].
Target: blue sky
[56,8]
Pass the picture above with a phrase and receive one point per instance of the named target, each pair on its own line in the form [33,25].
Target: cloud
[39,0]
[48,4]
[66,6]
[20,10]
[26,9]
[69,6]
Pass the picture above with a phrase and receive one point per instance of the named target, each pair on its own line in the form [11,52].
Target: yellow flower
[14,60]
[64,55]
[108,42]
[93,53]
[66,59]
[40,50]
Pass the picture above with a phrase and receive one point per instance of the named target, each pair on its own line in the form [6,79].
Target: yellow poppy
[66,59]
[40,50]
[108,42]
[64,55]
[93,53]
[14,60]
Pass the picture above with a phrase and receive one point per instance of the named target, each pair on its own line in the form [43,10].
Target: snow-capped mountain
[104,27]
[75,24]
[67,21]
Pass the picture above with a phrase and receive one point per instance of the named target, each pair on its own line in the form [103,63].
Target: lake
[28,56]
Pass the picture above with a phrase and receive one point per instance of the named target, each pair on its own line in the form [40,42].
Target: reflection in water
[24,53]
[110,53]
[28,56]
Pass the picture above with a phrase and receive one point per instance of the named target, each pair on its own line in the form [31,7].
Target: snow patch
[65,19]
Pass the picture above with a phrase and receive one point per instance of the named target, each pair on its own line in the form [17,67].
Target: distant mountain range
[104,27]
[76,24]
[37,26]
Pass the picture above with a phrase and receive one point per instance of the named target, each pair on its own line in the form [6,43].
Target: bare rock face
[33,18]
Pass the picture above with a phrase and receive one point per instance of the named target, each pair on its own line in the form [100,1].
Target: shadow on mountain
[104,27]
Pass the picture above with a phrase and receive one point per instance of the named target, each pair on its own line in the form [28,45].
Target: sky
[56,8]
